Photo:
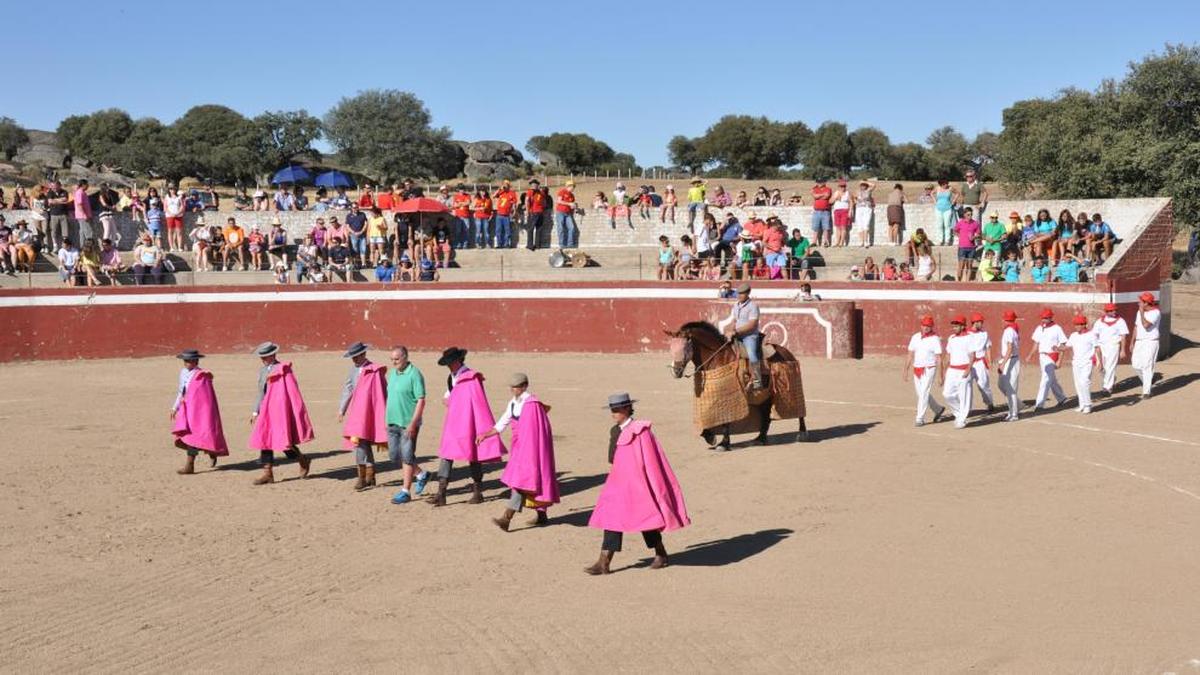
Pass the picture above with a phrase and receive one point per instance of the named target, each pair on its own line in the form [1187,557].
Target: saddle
[745,378]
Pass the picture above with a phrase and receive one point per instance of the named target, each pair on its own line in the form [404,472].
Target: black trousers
[267,458]
[612,540]
[533,230]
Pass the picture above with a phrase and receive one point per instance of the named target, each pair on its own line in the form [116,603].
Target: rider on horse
[743,322]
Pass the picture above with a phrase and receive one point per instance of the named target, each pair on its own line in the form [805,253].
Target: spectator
[696,201]
[148,259]
[806,294]
[706,236]
[341,200]
[709,270]
[387,200]
[20,200]
[799,246]
[405,273]
[864,212]
[280,274]
[41,218]
[1011,269]
[217,239]
[600,201]
[944,198]
[994,235]
[534,202]
[356,222]
[23,251]
[428,271]
[257,244]
[377,234]
[322,204]
[366,198]
[298,198]
[68,263]
[776,198]
[762,197]
[110,262]
[443,195]
[686,255]
[842,214]
[235,240]
[721,198]
[57,202]
[308,257]
[384,272]
[822,223]
[1040,272]
[775,255]
[667,210]
[1028,234]
[284,199]
[212,201]
[760,269]
[173,209]
[741,202]
[318,275]
[887,271]
[261,202]
[895,214]
[1078,241]
[83,209]
[972,194]
[277,243]
[155,216]
[8,251]
[320,234]
[728,238]
[645,201]
[201,242]
[725,291]
[666,259]
[339,259]
[193,203]
[412,190]
[905,273]
[336,230]
[988,271]
[89,263]
[460,207]
[926,196]
[795,199]
[438,247]
[747,251]
[969,233]
[1045,234]
[915,244]
[242,200]
[505,201]
[565,229]
[1067,270]
[133,201]
[927,267]
[108,199]
[855,274]
[1101,240]
[620,205]
[1013,232]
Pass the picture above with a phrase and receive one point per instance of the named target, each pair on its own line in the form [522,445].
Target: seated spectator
[242,201]
[235,242]
[754,226]
[322,204]
[917,243]
[257,244]
[336,230]
[438,248]
[193,203]
[68,263]
[261,203]
[89,262]
[1045,233]
[888,271]
[806,294]
[405,273]
[277,243]
[855,274]
[775,251]
[798,246]
[1067,270]
[741,201]
[905,273]
[776,197]
[1076,243]
[308,256]
[284,199]
[725,291]
[1013,233]
[747,251]
[318,275]
[760,269]
[384,271]
[685,256]
[600,202]
[667,210]
[926,196]
[927,267]
[212,201]
[280,274]
[1011,269]
[1101,240]
[645,201]
[1040,272]
[870,271]
[8,252]
[988,271]
[720,198]
[710,270]
[795,199]
[23,240]
[339,259]
[705,236]
[110,262]
[299,199]
[762,197]
[320,234]
[340,201]
[148,259]
[428,271]
[201,238]
[666,259]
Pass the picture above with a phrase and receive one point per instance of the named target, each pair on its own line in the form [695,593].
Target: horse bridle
[702,366]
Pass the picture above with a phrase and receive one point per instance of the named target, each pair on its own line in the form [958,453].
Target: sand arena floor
[1063,543]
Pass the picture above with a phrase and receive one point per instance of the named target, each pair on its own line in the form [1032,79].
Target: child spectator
[277,244]
[384,272]
[257,243]
[645,201]
[888,272]
[987,266]
[281,273]
[855,274]
[1101,240]
[68,263]
[155,216]
[22,241]
[926,265]
[760,269]
[1012,268]
[428,271]
[684,257]
[710,271]
[747,248]
[1039,273]
[318,275]
[669,202]
[666,259]
[1067,271]
[1028,234]
[905,273]
[600,202]
[870,271]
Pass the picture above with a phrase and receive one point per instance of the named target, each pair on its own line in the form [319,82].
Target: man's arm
[908,363]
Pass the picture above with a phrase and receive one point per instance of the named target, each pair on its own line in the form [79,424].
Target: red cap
[1010,315]
[976,317]
[1110,307]
[1147,297]
[1080,320]
[1047,313]
[960,319]
[927,320]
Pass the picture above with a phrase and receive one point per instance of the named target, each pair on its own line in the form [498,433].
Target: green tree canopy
[829,152]
[870,149]
[12,136]
[217,142]
[949,153]
[284,136]
[751,147]
[581,153]
[387,134]
[683,153]
[97,136]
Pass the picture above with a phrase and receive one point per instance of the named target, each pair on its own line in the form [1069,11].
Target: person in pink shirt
[969,232]
[83,210]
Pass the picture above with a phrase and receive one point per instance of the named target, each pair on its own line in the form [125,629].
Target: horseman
[743,326]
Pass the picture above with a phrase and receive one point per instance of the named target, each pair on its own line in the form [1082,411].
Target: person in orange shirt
[235,240]
[505,200]
[385,200]
[535,213]
[366,200]
[564,217]
[460,207]
[482,206]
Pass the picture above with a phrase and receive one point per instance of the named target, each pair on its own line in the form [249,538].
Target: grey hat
[743,287]
[518,380]
[189,355]
[267,348]
[355,349]
[620,400]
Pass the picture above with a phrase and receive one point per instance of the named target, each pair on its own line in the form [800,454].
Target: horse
[707,349]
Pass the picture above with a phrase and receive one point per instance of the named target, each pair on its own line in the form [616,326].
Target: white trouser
[1049,383]
[1082,373]
[1110,352]
[1008,382]
[1145,353]
[957,391]
[924,386]
[984,381]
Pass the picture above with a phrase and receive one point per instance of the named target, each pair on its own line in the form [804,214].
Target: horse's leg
[724,445]
[709,437]
[764,422]
[802,435]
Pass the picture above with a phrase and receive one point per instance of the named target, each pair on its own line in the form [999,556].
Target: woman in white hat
[201,243]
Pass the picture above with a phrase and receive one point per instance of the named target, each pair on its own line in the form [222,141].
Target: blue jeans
[483,232]
[693,209]
[462,232]
[358,245]
[301,270]
[822,221]
[565,230]
[503,232]
[753,346]
[776,260]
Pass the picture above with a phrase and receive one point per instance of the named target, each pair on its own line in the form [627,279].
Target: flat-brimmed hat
[518,380]
[451,355]
[267,348]
[743,287]
[355,349]
[276,221]
[189,355]
[200,220]
[620,400]
[697,179]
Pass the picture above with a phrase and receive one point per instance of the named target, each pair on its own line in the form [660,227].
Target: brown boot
[503,521]
[660,557]
[361,483]
[439,499]
[304,463]
[370,477]
[541,519]
[476,494]
[189,466]
[601,566]
[268,476]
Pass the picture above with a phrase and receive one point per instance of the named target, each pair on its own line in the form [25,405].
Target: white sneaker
[960,425]
[1085,411]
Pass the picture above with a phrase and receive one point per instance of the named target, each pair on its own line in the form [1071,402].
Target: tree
[870,148]
[984,151]
[907,161]
[949,153]
[97,136]
[386,134]
[284,136]
[12,137]
[216,142]
[580,153]
[753,147]
[830,152]
[152,150]
[683,153]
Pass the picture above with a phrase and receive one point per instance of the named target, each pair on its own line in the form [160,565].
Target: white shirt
[173,206]
[961,349]
[1049,337]
[703,244]
[454,377]
[925,350]
[1107,333]
[1151,333]
[1010,343]
[1083,347]
[982,343]
[185,377]
[512,412]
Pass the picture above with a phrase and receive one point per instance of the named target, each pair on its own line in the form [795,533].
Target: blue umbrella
[291,174]
[333,179]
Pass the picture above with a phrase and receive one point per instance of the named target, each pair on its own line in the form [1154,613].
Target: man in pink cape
[641,493]
[530,470]
[363,410]
[468,415]
[280,419]
[196,414]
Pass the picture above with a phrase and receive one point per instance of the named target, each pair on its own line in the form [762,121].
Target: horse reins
[712,356]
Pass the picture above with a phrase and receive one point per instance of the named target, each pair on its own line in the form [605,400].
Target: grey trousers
[612,540]
[364,454]
[446,465]
[516,501]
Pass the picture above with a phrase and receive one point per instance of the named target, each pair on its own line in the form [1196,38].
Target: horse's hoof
[761,440]
[802,437]
[709,438]
[724,447]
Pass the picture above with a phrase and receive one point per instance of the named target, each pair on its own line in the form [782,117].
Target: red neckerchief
[1110,322]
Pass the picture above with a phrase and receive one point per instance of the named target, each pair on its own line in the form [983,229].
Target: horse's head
[681,350]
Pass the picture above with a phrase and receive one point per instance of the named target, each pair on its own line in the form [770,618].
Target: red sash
[1053,356]
[962,367]
[984,359]
[919,372]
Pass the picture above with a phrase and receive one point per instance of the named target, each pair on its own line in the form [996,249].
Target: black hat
[451,355]
[189,355]
[620,400]
[355,349]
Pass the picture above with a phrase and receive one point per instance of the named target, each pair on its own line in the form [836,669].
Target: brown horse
[706,348]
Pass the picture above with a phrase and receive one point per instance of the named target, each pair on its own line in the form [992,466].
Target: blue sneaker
[401,497]
[419,484]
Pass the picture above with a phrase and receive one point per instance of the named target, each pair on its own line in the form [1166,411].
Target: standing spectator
[256,242]
[443,196]
[68,263]
[666,259]
[670,201]
[377,234]
[41,219]
[235,239]
[108,198]
[842,214]
[864,212]
[968,231]
[20,200]
[481,209]
[686,256]
[137,207]
[83,210]
[822,221]
[336,230]
[57,203]
[505,200]
[356,222]
[148,259]
[404,235]
[366,198]
[895,214]
[461,209]
[943,208]
[706,236]
[727,238]
[564,217]
[973,194]
[110,262]
[534,201]
[173,209]
[277,243]
[696,204]
[212,201]
[620,204]
[155,217]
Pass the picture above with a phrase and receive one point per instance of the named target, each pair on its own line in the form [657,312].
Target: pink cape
[366,416]
[282,420]
[530,468]
[467,416]
[198,420]
[641,492]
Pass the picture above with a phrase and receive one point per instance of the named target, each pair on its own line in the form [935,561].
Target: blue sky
[630,73]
